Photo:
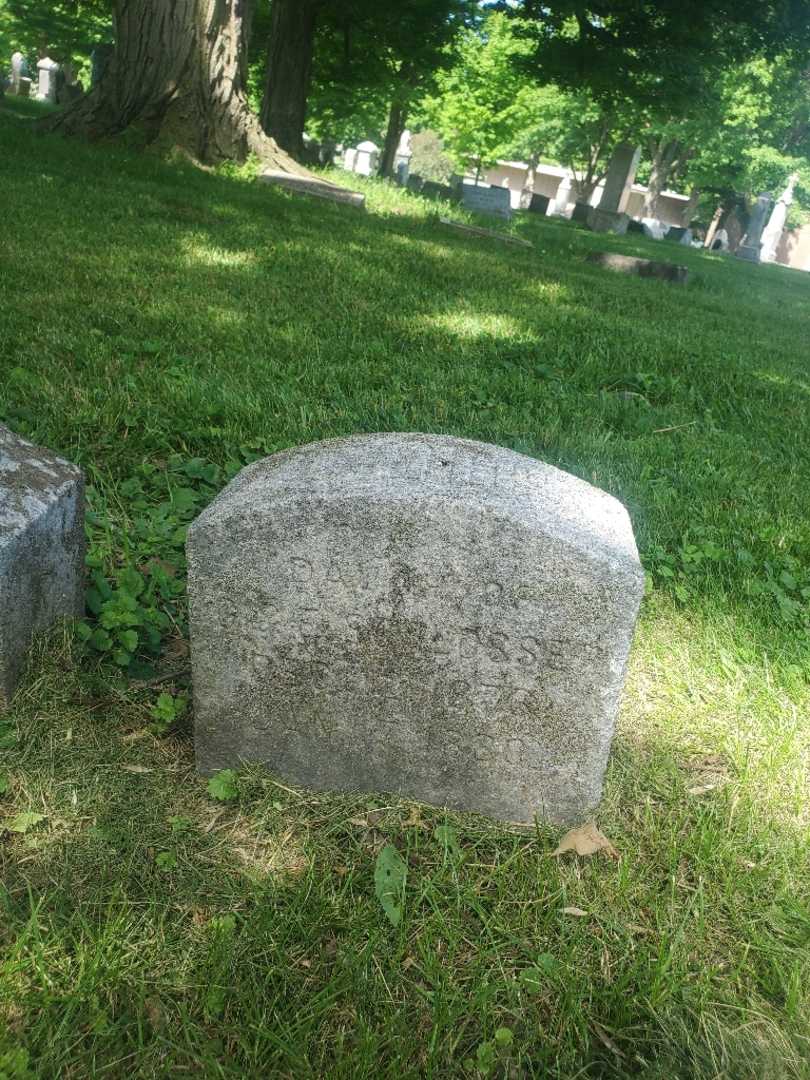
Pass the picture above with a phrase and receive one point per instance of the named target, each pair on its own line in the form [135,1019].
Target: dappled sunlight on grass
[197,322]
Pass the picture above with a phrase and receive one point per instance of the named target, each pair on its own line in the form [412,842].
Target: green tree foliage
[63,29]
[484,103]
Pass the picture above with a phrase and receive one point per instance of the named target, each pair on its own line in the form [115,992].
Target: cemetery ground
[162,327]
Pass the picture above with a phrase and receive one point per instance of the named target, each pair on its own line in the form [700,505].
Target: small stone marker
[539,204]
[604,221]
[41,549]
[311,185]
[628,264]
[48,70]
[421,614]
[432,189]
[490,234]
[679,235]
[487,200]
[17,71]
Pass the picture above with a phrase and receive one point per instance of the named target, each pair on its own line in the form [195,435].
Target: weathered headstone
[752,241]
[17,71]
[41,549]
[24,88]
[539,204]
[487,200]
[432,189]
[628,264]
[489,234]
[402,158]
[414,613]
[314,186]
[679,235]
[563,196]
[48,70]
[604,221]
[366,158]
[610,215]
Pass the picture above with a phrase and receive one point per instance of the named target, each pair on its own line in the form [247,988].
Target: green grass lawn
[163,326]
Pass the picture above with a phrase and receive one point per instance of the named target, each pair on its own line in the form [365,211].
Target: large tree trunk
[664,157]
[289,65]
[393,133]
[527,191]
[177,75]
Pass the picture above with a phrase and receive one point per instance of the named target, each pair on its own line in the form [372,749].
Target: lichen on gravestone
[41,549]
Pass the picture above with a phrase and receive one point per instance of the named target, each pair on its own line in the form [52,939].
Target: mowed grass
[162,326]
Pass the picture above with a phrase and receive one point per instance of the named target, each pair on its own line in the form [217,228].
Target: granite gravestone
[487,200]
[752,242]
[421,614]
[48,70]
[539,204]
[41,549]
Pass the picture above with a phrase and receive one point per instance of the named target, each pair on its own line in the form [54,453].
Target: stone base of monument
[607,221]
[580,212]
[41,549]
[307,185]
[438,618]
[628,264]
[750,254]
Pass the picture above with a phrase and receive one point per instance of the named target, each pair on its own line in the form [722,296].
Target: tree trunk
[393,133]
[528,182]
[691,207]
[665,156]
[177,75]
[714,226]
[289,65]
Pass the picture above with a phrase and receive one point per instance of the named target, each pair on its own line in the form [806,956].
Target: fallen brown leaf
[586,840]
[360,822]
[574,911]
[138,769]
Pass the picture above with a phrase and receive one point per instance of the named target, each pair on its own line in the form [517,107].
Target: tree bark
[528,182]
[289,66]
[664,158]
[397,117]
[177,76]
[714,226]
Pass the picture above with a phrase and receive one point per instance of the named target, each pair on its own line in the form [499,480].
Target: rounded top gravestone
[414,613]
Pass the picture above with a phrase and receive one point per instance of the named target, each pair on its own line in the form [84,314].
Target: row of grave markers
[439,618]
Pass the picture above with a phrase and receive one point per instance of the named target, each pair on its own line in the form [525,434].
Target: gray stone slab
[419,614]
[581,211]
[604,221]
[539,204]
[41,549]
[628,264]
[311,185]
[489,234]
[487,200]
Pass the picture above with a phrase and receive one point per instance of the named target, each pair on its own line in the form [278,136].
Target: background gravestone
[414,613]
[41,548]
[487,200]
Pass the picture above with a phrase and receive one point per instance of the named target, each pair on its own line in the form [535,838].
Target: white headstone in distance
[47,69]
[367,158]
[776,224]
[17,64]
